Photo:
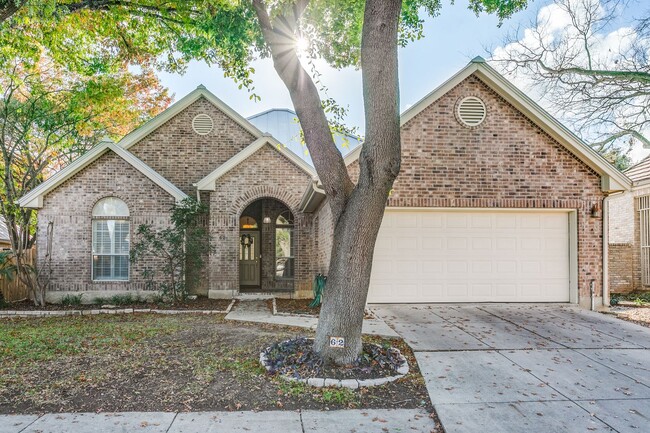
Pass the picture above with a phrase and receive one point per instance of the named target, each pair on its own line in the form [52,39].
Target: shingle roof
[639,171]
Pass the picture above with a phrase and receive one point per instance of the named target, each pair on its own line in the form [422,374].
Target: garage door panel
[457,221]
[457,244]
[475,256]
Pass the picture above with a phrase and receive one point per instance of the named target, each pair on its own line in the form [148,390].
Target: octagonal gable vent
[471,111]
[202,124]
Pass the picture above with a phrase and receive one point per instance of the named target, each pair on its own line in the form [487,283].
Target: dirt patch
[301,307]
[201,303]
[295,306]
[638,315]
[150,362]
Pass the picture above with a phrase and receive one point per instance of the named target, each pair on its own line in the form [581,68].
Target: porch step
[254,296]
[255,307]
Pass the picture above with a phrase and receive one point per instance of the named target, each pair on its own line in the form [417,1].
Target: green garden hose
[319,286]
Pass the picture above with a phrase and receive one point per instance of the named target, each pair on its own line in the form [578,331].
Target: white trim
[482,209]
[314,189]
[146,129]
[611,178]
[353,155]
[34,199]
[208,182]
[574,293]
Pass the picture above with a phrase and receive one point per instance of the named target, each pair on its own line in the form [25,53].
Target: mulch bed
[295,358]
[150,362]
[299,306]
[201,303]
[295,306]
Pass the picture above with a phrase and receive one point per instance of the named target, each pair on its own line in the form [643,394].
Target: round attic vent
[471,111]
[202,124]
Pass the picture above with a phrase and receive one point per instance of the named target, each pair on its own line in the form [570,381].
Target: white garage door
[476,256]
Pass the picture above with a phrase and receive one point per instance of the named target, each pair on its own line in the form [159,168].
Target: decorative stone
[349,383]
[332,382]
[314,381]
[346,383]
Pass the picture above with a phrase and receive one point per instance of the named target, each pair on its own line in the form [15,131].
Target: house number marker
[337,342]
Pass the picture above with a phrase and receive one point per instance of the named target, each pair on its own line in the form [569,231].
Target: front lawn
[148,362]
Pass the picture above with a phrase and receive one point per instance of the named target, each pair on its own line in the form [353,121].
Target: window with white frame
[284,246]
[110,240]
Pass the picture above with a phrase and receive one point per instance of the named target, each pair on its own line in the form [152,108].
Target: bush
[71,300]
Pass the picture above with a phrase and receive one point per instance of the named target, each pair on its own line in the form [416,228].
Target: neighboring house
[5,242]
[495,202]
[283,125]
[629,233]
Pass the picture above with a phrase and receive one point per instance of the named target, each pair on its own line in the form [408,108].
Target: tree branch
[327,159]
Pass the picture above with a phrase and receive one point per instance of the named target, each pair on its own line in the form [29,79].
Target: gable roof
[639,171]
[34,199]
[200,92]
[611,178]
[208,182]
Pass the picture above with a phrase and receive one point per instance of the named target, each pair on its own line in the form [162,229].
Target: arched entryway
[267,247]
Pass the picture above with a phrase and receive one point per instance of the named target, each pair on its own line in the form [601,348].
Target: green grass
[342,396]
[45,339]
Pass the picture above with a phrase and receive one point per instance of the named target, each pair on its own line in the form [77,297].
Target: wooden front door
[249,258]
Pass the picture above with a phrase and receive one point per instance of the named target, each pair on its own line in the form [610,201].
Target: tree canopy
[590,69]
[154,34]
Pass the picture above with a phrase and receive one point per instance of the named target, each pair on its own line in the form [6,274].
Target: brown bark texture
[357,210]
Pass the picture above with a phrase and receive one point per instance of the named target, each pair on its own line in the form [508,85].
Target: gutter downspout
[198,192]
[606,249]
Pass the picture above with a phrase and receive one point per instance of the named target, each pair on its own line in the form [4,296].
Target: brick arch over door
[265,191]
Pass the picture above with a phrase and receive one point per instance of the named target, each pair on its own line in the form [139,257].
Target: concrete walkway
[258,311]
[304,421]
[528,368]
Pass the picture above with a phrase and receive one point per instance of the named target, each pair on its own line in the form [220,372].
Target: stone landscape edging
[59,313]
[321,382]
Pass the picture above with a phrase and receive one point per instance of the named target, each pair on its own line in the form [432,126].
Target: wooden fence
[15,290]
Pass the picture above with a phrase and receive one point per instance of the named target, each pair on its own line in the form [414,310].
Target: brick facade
[69,208]
[506,162]
[264,175]
[625,267]
[184,157]
[623,275]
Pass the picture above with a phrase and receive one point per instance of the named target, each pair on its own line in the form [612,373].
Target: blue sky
[451,40]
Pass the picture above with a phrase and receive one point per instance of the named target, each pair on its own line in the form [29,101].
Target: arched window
[284,245]
[111,240]
[247,223]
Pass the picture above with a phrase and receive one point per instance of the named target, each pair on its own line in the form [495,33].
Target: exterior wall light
[267,220]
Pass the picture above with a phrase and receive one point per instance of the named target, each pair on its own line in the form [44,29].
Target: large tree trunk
[357,210]
[355,231]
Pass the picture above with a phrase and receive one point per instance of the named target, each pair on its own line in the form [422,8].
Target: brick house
[629,233]
[496,202]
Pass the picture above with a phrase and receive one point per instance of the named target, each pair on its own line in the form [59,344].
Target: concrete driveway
[528,368]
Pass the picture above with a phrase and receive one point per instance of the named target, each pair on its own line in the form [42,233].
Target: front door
[249,258]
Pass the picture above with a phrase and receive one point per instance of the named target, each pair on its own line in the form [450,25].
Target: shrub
[72,300]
